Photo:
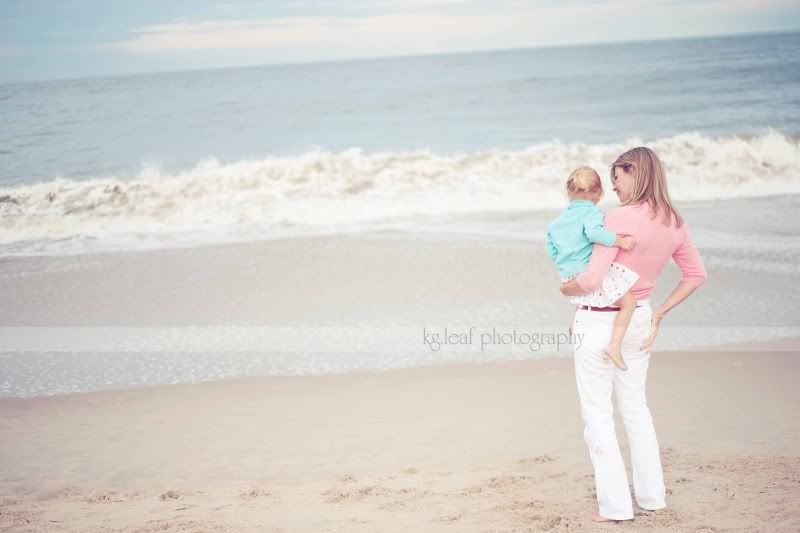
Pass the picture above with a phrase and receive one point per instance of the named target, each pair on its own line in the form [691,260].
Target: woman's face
[623,182]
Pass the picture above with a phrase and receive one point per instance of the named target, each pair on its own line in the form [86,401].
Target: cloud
[9,51]
[236,34]
[430,26]
[343,33]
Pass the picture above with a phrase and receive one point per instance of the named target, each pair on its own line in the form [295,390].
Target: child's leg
[572,321]
[627,305]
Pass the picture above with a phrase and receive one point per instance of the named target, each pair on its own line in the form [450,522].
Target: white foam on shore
[324,192]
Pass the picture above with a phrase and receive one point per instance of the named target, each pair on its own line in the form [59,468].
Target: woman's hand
[571,288]
[679,294]
[647,345]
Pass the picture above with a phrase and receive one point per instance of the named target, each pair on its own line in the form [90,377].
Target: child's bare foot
[615,354]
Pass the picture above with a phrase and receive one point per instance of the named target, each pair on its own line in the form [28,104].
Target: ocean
[196,199]
[192,158]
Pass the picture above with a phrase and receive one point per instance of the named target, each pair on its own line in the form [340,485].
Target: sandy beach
[470,447]
[212,442]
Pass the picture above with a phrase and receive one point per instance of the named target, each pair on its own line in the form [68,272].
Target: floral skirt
[616,283]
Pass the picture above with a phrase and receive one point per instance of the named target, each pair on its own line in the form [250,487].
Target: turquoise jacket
[570,237]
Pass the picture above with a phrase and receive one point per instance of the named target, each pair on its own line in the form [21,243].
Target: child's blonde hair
[584,179]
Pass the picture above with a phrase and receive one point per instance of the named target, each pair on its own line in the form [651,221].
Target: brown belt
[590,308]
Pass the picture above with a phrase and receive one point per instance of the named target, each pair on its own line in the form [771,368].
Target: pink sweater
[655,244]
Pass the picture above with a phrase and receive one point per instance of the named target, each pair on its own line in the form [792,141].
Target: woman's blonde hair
[649,183]
[584,179]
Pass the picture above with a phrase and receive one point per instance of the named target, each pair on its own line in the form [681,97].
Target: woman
[648,215]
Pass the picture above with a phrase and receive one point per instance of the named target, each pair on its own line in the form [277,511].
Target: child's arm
[596,232]
[552,251]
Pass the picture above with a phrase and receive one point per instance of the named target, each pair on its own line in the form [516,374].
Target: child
[569,244]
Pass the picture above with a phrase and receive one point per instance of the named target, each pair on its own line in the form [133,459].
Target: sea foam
[325,192]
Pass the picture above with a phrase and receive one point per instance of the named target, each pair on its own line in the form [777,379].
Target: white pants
[596,378]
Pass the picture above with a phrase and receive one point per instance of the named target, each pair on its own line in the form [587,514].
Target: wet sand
[463,447]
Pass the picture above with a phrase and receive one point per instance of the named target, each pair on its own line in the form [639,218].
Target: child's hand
[626,242]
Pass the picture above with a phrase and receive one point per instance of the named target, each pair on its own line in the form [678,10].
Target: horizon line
[401,56]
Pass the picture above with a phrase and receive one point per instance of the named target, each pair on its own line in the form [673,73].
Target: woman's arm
[694,274]
[592,276]
[679,294]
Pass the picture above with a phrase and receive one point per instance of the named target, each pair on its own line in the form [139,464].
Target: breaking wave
[337,192]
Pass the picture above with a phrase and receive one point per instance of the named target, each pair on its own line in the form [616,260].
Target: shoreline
[486,227]
[373,294]
[783,344]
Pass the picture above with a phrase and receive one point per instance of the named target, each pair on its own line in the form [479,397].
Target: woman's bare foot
[615,354]
[597,518]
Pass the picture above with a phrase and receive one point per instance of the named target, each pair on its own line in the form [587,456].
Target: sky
[62,39]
